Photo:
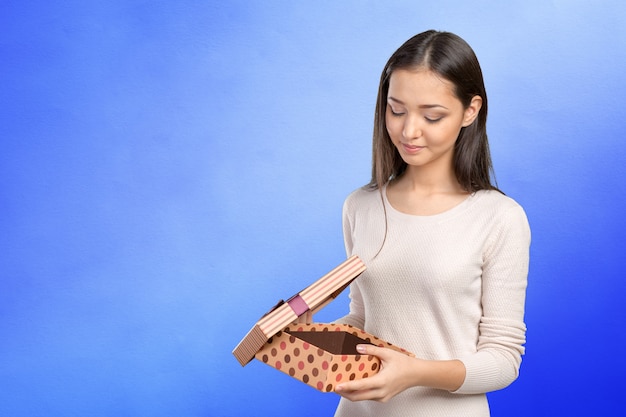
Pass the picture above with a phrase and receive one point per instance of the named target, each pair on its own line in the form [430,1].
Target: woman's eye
[433,119]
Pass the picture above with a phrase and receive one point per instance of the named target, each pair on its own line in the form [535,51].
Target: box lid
[312,298]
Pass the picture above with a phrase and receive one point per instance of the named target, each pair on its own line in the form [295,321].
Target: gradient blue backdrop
[170,169]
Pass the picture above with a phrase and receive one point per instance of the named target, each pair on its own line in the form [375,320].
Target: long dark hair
[451,58]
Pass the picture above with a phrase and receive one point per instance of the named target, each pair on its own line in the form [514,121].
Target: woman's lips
[412,149]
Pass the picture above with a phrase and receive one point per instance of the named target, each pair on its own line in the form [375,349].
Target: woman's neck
[423,193]
[426,182]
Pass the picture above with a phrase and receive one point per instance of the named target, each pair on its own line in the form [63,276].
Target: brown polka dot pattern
[314,365]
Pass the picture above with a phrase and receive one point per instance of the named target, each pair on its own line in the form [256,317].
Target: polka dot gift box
[320,355]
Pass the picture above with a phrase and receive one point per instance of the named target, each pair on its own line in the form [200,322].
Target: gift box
[320,355]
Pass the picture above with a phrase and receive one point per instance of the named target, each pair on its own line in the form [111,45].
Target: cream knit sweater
[447,286]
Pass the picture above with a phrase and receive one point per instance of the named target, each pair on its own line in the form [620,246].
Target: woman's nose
[412,127]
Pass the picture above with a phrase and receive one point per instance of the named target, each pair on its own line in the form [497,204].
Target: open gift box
[320,355]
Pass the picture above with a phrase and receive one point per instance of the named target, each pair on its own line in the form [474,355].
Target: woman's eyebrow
[421,106]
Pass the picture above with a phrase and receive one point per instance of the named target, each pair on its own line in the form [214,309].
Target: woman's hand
[399,372]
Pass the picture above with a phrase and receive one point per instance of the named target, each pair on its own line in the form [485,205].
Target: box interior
[337,343]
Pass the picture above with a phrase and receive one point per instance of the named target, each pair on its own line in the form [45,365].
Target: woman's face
[424,117]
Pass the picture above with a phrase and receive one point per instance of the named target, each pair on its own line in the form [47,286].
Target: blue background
[170,169]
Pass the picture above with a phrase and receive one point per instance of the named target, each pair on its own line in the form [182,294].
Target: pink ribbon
[298,305]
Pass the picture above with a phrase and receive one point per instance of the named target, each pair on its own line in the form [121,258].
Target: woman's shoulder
[496,199]
[498,205]
[363,197]
[363,193]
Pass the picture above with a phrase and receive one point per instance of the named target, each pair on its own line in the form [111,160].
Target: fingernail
[360,348]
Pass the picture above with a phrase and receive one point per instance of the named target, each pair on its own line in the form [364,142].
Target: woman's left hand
[397,373]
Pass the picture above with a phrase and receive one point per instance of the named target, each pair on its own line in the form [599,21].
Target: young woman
[446,251]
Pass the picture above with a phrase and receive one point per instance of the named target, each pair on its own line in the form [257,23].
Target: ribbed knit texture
[447,286]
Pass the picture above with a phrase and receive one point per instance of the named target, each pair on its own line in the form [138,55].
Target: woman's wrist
[447,375]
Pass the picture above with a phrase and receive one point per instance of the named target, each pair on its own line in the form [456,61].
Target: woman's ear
[471,112]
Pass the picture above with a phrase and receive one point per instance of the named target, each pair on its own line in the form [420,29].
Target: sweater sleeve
[502,332]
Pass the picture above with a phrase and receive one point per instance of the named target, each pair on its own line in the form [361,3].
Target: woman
[446,251]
